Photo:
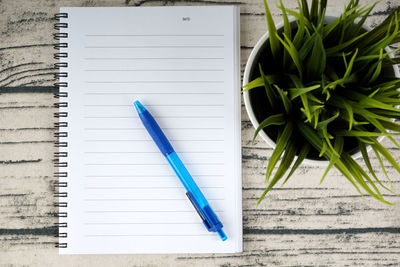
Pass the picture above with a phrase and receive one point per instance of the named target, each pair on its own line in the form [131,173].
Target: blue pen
[210,219]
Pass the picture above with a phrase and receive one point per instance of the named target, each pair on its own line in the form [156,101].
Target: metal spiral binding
[60,158]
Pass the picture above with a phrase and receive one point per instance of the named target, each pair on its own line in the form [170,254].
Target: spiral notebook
[117,193]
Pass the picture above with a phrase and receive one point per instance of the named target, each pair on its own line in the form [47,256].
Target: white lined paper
[123,197]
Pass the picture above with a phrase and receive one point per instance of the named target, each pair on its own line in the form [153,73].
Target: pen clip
[194,203]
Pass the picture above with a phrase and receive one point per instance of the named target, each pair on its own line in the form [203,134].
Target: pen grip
[156,133]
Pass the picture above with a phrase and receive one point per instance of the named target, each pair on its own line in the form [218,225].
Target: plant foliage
[329,86]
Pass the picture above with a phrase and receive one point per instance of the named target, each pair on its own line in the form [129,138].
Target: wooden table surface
[300,224]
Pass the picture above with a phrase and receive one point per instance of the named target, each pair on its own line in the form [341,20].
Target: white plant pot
[329,17]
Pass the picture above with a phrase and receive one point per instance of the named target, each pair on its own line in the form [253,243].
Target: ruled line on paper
[151,152]
[150,140]
[152,181]
[146,211]
[172,235]
[142,93]
[155,46]
[128,70]
[154,58]
[151,164]
[136,117]
[149,35]
[201,81]
[144,129]
[148,187]
[145,223]
[149,175]
[148,179]
[155,105]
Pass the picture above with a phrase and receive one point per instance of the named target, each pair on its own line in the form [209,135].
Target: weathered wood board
[300,224]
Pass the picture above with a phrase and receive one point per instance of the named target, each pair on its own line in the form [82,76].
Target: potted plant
[323,88]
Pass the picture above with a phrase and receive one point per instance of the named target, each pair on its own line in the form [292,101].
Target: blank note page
[182,63]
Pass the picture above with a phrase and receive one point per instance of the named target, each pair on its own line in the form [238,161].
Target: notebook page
[182,64]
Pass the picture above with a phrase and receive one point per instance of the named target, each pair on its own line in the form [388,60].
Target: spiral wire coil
[60,158]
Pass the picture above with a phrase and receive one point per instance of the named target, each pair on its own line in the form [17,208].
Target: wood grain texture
[300,224]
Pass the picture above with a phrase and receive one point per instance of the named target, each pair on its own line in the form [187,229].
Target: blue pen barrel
[186,179]
[210,219]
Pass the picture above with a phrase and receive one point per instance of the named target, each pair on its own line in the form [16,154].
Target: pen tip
[139,107]
[222,234]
